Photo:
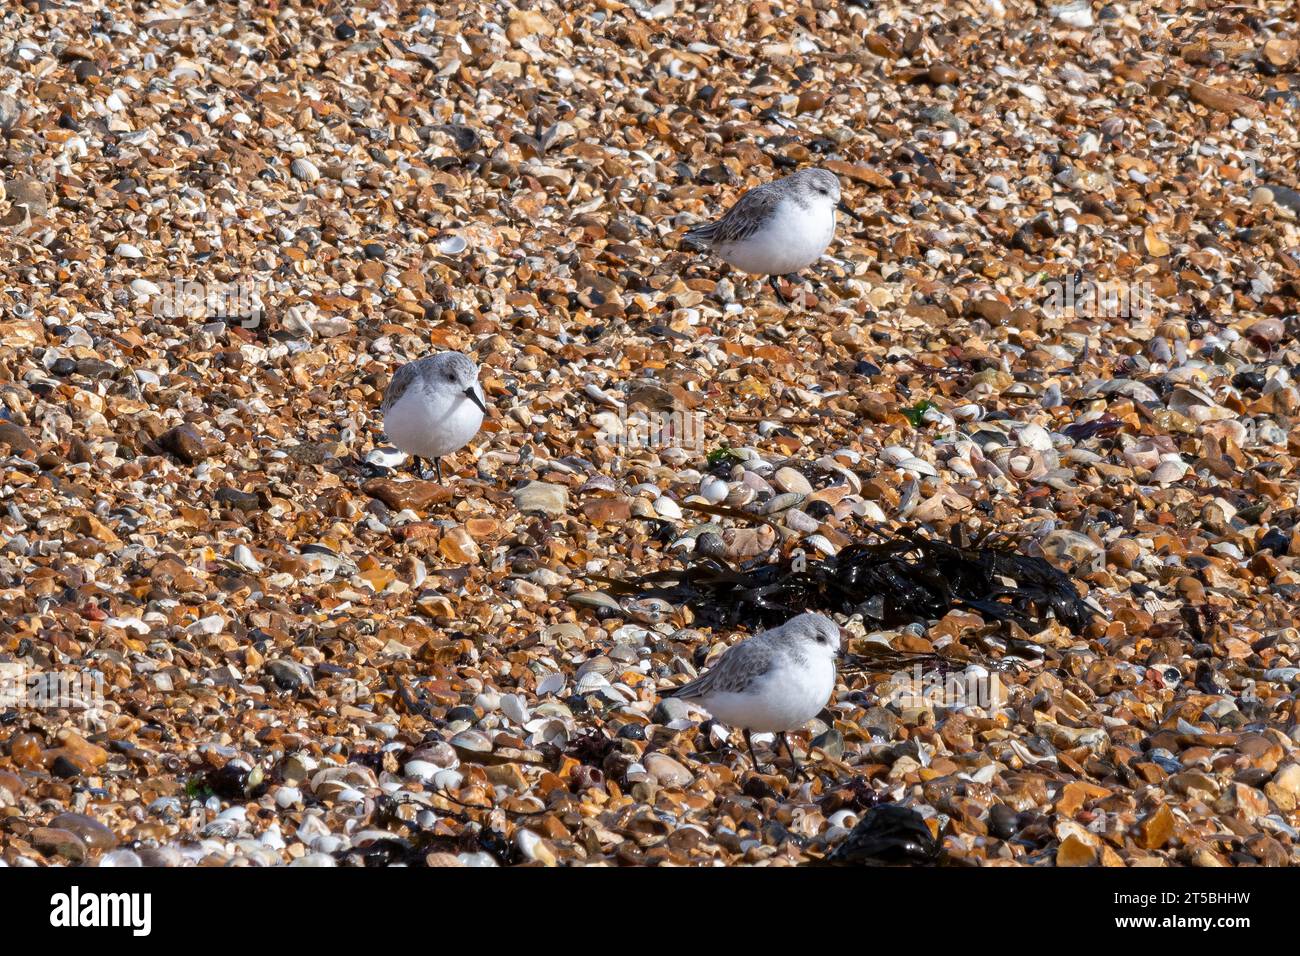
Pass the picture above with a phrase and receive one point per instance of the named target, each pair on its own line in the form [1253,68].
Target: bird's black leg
[775,283]
[437,464]
[417,465]
[758,768]
[798,767]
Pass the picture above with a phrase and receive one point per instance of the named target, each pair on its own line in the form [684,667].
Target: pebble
[539,497]
[667,771]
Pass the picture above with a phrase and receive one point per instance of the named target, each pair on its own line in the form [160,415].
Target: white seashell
[420,770]
[448,779]
[713,489]
[679,70]
[667,508]
[591,682]
[969,412]
[962,467]
[822,544]
[1169,470]
[1076,14]
[550,684]
[872,511]
[595,393]
[385,457]
[843,818]
[598,665]
[740,496]
[1026,463]
[918,466]
[1035,437]
[513,706]
[128,251]
[895,454]
[452,245]
[1082,456]
[1142,454]
[305,170]
[910,498]
[935,417]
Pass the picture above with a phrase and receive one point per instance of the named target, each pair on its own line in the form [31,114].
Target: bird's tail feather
[699,237]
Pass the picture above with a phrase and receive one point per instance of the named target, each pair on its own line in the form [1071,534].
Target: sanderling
[772,682]
[778,228]
[433,407]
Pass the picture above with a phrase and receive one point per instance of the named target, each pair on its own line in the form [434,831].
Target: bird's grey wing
[734,672]
[402,380]
[740,221]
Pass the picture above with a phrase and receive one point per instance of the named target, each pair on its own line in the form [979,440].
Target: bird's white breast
[786,698]
[792,239]
[432,423]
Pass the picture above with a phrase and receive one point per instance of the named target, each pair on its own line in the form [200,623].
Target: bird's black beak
[473,397]
[844,207]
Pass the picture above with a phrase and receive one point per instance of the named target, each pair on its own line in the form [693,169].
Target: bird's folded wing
[734,672]
[741,221]
[401,381]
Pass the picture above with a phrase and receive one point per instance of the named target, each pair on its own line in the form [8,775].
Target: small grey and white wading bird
[433,407]
[772,682]
[779,228]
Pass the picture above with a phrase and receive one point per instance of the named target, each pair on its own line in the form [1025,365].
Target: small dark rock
[239,500]
[17,439]
[1002,821]
[1274,540]
[184,442]
[290,675]
[63,767]
[92,832]
[62,842]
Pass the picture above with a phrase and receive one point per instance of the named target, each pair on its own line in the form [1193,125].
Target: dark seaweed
[1106,424]
[887,834]
[906,578]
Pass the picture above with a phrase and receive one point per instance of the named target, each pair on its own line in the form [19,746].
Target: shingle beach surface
[1068,321]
